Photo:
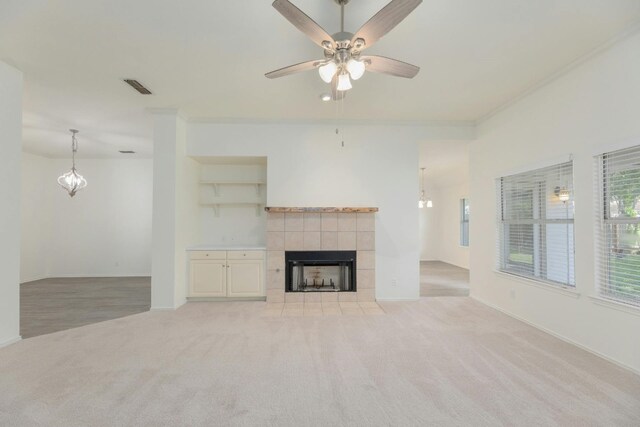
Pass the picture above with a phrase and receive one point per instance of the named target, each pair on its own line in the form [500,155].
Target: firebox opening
[320,271]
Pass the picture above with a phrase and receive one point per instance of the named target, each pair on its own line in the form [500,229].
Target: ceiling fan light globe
[356,68]
[344,82]
[327,71]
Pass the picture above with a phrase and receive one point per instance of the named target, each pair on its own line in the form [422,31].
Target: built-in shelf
[230,185]
[217,205]
[216,185]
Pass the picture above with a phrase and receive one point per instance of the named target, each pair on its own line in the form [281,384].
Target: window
[464,222]
[535,224]
[618,239]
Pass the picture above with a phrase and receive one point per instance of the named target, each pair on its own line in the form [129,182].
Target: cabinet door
[208,278]
[245,278]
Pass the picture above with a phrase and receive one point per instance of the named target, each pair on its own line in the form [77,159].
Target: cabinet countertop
[225,248]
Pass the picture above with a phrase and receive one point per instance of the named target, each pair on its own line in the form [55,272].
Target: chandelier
[72,181]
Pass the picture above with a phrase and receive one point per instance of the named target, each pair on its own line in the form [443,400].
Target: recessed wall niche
[232,197]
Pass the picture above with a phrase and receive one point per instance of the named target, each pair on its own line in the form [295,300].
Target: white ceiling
[208,59]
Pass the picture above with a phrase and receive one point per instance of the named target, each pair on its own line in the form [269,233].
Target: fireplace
[320,271]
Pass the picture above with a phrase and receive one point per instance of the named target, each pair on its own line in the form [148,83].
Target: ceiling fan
[343,59]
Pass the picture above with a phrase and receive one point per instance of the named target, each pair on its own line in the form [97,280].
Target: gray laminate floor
[439,279]
[52,305]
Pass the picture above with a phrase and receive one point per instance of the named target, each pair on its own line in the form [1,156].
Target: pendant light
[72,181]
[423,200]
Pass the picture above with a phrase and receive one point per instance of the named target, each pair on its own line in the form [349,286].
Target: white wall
[105,230]
[36,218]
[175,211]
[588,110]
[441,233]
[11,143]
[308,166]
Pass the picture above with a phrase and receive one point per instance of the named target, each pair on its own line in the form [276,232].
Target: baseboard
[561,337]
[95,276]
[34,279]
[162,309]
[398,299]
[224,299]
[10,341]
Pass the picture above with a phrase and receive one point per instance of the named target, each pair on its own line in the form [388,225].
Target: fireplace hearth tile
[293,240]
[329,297]
[366,295]
[331,310]
[329,221]
[293,222]
[275,240]
[357,311]
[275,260]
[344,305]
[346,240]
[314,297]
[347,297]
[293,297]
[366,222]
[275,221]
[330,240]
[312,222]
[366,260]
[347,222]
[312,240]
[366,241]
[366,279]
[275,279]
[275,295]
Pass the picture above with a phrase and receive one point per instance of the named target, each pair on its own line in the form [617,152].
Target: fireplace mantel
[321,209]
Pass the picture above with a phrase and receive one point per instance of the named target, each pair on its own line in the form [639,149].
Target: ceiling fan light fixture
[344,82]
[356,68]
[327,71]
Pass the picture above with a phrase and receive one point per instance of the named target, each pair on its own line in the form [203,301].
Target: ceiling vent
[138,86]
[127,152]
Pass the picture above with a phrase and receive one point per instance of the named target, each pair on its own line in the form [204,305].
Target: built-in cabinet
[230,273]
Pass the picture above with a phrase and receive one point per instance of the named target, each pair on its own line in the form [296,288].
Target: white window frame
[539,218]
[464,220]
[604,289]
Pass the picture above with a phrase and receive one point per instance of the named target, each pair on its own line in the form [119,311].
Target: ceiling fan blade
[297,68]
[384,21]
[384,65]
[305,24]
[336,94]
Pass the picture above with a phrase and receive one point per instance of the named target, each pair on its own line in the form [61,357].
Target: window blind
[464,222]
[618,226]
[535,224]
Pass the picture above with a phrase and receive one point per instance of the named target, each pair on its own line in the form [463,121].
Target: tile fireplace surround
[321,229]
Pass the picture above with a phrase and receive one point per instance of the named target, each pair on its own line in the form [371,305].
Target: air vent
[127,152]
[138,86]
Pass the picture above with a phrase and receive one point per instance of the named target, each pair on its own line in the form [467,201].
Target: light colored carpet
[436,362]
[439,279]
